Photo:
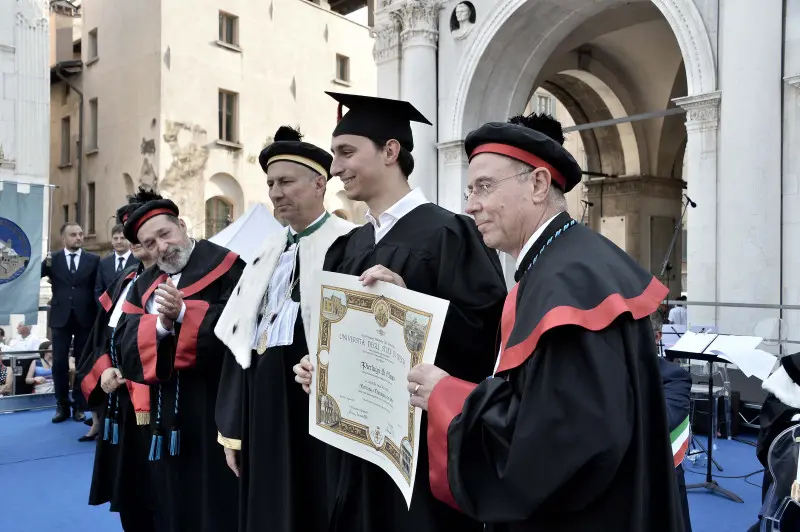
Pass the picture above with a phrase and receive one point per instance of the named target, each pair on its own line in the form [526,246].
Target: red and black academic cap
[287,145]
[377,118]
[145,212]
[142,196]
[522,142]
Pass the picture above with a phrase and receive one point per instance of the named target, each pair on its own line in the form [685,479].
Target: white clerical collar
[404,205]
[324,212]
[77,253]
[532,240]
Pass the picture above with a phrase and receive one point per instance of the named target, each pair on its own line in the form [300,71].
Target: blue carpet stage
[46,472]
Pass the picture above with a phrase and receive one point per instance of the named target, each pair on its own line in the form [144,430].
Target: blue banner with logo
[20,250]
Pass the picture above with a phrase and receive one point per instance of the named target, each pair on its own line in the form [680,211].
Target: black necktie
[72,268]
[119,266]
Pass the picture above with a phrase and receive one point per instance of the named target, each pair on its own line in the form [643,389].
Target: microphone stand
[678,223]
[665,263]
[585,208]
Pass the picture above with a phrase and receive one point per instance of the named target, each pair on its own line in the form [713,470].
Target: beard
[174,259]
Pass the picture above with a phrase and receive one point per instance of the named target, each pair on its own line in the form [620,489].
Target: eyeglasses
[483,189]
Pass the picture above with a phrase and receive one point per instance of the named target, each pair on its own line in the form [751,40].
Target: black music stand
[709,483]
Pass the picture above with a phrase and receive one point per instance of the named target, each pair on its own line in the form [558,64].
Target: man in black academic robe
[413,243]
[262,416]
[780,411]
[571,432]
[120,472]
[166,340]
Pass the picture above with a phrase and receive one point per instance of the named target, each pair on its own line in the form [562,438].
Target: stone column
[749,214]
[791,206]
[702,125]
[452,174]
[386,53]
[418,83]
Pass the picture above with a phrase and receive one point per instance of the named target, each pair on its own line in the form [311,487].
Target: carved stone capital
[387,40]
[794,81]
[453,153]
[420,22]
[33,13]
[702,111]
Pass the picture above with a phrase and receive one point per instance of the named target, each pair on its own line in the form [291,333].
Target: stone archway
[505,59]
[224,202]
[478,97]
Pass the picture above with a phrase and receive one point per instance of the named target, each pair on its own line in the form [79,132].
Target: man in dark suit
[113,264]
[677,394]
[72,273]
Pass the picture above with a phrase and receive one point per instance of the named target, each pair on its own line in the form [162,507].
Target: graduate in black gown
[417,244]
[571,432]
[166,340]
[119,475]
[262,415]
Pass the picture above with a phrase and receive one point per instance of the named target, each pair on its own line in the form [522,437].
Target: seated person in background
[6,379]
[677,390]
[26,341]
[40,372]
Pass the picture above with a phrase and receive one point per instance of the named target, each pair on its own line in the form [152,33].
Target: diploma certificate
[367,339]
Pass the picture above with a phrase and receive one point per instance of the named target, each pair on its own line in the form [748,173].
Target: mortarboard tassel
[106,428]
[175,434]
[157,439]
[339,113]
[175,442]
[115,433]
[156,442]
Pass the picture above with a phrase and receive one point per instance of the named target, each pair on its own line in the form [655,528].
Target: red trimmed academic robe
[120,469]
[571,434]
[441,254]
[194,489]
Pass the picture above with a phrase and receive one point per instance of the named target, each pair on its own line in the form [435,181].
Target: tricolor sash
[680,441]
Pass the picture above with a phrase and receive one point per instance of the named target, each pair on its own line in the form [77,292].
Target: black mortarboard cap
[377,118]
[529,146]
[288,146]
[145,212]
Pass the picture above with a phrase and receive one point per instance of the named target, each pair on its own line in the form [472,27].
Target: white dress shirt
[117,313]
[31,343]
[280,329]
[405,205]
[532,240]
[124,258]
[77,253]
[677,315]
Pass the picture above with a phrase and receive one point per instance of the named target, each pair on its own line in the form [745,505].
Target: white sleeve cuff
[183,311]
[161,332]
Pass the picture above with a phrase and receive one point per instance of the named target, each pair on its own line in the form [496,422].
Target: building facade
[663,93]
[183,96]
[25,105]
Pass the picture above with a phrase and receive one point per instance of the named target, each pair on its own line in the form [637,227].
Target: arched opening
[614,66]
[219,215]
[224,202]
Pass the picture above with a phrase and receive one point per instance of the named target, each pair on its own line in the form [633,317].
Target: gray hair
[555,197]
[657,321]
